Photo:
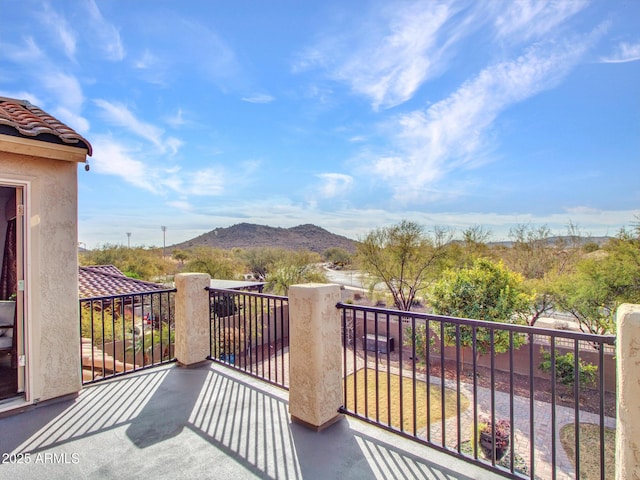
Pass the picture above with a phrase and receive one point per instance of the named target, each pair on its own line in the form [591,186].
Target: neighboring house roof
[236,284]
[22,119]
[105,280]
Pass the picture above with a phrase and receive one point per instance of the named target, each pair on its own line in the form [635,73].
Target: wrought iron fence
[250,332]
[122,334]
[510,398]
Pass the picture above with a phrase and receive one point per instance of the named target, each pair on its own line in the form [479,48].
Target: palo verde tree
[260,260]
[337,256]
[602,281]
[293,268]
[543,259]
[403,257]
[218,263]
[487,291]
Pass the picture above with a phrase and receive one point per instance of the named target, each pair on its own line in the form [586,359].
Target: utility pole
[128,239]
[164,237]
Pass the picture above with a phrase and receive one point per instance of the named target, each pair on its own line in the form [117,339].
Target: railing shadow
[206,420]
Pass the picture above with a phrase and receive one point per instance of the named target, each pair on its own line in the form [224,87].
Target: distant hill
[248,235]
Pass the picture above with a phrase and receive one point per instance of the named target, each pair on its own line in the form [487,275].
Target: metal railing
[478,390]
[250,332]
[121,334]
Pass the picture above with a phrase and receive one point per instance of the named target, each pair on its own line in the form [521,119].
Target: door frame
[23,298]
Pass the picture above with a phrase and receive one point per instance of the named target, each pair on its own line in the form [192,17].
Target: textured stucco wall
[315,354]
[192,318]
[52,331]
[628,421]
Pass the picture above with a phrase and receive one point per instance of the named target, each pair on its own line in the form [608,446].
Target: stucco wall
[51,299]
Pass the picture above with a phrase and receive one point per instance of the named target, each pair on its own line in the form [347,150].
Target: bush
[565,369]
[100,325]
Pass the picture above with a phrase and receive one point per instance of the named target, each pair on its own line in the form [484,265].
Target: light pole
[164,236]
[128,239]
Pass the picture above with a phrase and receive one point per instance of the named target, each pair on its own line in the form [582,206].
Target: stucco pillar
[192,317]
[315,355]
[628,373]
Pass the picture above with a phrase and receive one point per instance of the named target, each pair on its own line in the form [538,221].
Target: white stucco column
[628,373]
[192,317]
[315,355]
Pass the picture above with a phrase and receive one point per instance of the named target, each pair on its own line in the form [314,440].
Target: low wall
[521,356]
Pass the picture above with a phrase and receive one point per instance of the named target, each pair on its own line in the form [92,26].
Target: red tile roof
[31,122]
[105,280]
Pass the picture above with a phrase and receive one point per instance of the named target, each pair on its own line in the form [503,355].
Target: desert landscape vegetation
[408,266]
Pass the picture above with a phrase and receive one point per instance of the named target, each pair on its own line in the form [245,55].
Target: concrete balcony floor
[203,422]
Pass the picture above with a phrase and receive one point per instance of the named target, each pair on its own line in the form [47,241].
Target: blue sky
[348,115]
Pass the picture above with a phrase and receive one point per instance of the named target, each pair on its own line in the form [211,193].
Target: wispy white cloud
[72,119]
[27,53]
[623,53]
[209,181]
[527,19]
[104,34]
[64,33]
[174,144]
[146,60]
[334,184]
[113,158]
[70,99]
[172,55]
[259,98]
[66,87]
[390,56]
[452,133]
[182,204]
[121,116]
[136,167]
[176,120]
[118,114]
[64,96]
[23,95]
[218,61]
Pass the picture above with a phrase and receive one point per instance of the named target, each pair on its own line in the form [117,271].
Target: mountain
[248,235]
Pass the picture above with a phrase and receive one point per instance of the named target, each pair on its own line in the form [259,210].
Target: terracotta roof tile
[32,122]
[104,280]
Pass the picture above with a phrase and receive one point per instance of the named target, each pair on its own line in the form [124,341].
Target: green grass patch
[388,400]
[590,449]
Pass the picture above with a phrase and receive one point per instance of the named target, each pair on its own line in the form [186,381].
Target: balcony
[248,424]
[204,422]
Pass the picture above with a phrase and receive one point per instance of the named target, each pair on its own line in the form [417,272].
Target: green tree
[474,244]
[180,256]
[138,262]
[421,339]
[218,263]
[543,260]
[404,258]
[294,268]
[484,291]
[260,260]
[602,281]
[337,256]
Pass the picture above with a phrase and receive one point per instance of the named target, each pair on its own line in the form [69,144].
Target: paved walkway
[543,446]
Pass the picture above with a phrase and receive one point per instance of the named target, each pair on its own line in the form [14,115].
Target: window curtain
[9,276]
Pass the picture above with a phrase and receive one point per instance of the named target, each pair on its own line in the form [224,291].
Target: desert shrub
[100,324]
[565,369]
